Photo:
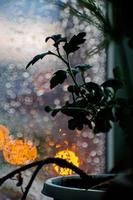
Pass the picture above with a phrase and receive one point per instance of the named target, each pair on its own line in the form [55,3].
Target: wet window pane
[24,25]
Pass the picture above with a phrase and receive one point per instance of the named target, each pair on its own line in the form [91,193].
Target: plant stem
[76,108]
[69,69]
[58,161]
[59,56]
[31,181]
[83,78]
[71,74]
[68,66]
[73,97]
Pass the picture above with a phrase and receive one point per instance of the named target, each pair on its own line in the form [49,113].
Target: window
[23,93]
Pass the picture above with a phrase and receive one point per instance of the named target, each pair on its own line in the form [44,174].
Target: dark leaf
[102,126]
[82,103]
[83,67]
[72,124]
[74,109]
[58,78]
[75,123]
[54,112]
[107,93]
[94,99]
[48,109]
[69,112]
[73,89]
[89,124]
[74,43]
[102,120]
[108,97]
[113,83]
[80,126]
[78,122]
[74,71]
[95,92]
[105,114]
[57,39]
[93,86]
[38,57]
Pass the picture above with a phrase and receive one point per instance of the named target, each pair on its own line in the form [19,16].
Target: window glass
[24,25]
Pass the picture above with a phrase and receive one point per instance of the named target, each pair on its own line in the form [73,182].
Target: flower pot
[73,187]
[121,186]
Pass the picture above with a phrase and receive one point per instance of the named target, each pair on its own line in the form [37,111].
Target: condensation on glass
[24,25]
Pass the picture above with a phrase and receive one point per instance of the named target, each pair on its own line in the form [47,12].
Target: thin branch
[60,162]
[71,74]
[83,78]
[31,181]
[73,97]
[97,14]
[93,109]
[61,57]
[94,9]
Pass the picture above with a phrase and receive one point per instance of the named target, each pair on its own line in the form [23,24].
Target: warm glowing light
[71,157]
[19,152]
[51,143]
[65,142]
[4,136]
[57,146]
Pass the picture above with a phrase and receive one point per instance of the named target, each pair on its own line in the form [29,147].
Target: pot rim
[52,188]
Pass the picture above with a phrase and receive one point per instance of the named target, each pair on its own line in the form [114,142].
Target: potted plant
[92,105]
[97,106]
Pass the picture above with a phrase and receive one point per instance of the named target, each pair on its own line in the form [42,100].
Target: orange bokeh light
[19,152]
[71,157]
[4,136]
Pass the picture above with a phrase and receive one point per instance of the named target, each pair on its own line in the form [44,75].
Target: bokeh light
[4,136]
[19,152]
[71,157]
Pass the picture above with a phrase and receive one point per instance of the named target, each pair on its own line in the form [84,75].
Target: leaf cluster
[93,105]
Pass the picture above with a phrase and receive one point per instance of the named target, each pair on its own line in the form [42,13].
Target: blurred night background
[24,25]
